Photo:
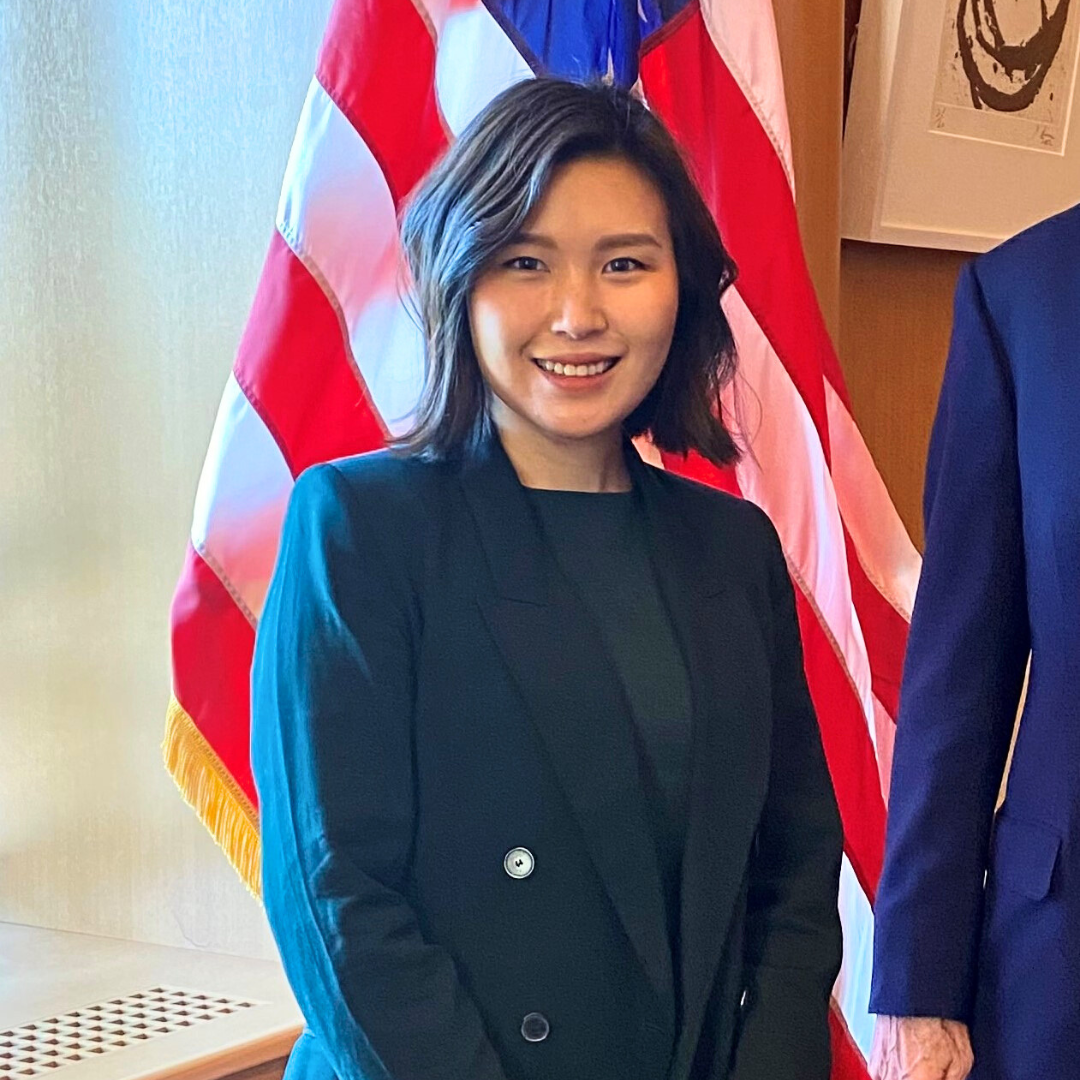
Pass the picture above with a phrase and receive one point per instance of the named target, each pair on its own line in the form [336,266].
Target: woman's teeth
[578,370]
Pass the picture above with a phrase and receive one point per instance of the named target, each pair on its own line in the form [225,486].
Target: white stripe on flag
[337,214]
[852,989]
[885,550]
[240,502]
[785,473]
[470,40]
[744,34]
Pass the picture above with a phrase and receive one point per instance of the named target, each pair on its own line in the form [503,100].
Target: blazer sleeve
[793,937]
[963,674]
[332,699]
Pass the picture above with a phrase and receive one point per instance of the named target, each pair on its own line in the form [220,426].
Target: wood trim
[270,1070]
[811,36]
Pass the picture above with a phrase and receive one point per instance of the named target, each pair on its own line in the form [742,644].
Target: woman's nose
[577,311]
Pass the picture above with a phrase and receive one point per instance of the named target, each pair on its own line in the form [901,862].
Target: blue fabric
[583,39]
[1001,575]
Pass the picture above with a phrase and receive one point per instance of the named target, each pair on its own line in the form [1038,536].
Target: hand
[920,1048]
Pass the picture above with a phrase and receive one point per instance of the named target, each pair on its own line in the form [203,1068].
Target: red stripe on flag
[378,65]
[212,645]
[848,748]
[847,1061]
[698,468]
[884,629]
[294,369]
[688,84]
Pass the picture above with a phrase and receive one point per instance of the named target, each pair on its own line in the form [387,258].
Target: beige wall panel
[895,320]
[811,35]
[141,152]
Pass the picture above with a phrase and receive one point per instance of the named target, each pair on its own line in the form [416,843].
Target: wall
[142,150]
[895,319]
[811,37]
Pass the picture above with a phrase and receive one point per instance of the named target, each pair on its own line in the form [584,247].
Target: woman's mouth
[577,370]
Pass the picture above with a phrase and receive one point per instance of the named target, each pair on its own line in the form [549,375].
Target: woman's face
[573,320]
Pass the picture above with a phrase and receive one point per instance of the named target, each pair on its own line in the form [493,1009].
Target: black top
[600,543]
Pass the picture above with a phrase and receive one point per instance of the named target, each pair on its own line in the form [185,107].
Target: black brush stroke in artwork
[985,53]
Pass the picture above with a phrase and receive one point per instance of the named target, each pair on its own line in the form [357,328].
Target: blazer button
[535,1028]
[519,863]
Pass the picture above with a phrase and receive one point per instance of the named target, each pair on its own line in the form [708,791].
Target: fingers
[963,1056]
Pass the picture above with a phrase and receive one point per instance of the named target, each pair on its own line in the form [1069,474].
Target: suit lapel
[721,643]
[576,702]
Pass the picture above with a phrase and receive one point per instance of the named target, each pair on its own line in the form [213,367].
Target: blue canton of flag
[583,39]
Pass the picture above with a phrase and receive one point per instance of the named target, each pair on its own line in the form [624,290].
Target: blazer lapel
[576,702]
[720,638]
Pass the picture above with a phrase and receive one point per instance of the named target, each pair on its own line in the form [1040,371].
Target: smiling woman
[567,215]
[542,792]
[572,322]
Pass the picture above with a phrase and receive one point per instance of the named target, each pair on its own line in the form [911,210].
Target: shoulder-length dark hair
[476,199]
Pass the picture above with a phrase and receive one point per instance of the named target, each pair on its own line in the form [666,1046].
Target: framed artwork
[962,125]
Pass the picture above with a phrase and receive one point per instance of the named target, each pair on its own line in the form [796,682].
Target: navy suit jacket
[1001,577]
[429,694]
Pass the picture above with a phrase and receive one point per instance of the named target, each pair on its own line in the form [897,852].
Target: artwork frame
[926,161]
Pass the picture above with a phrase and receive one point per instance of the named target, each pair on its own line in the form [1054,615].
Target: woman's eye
[624,265]
[523,262]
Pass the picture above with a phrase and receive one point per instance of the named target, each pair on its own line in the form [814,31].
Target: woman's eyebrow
[619,240]
[605,243]
[533,239]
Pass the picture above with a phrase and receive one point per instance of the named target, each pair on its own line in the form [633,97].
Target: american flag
[331,362]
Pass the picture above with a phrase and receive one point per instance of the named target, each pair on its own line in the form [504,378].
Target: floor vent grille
[45,1045]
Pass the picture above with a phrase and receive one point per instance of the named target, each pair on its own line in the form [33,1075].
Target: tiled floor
[103,1009]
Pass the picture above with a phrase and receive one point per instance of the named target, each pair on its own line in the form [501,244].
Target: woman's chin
[583,433]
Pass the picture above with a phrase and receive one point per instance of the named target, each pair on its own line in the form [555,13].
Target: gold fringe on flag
[213,794]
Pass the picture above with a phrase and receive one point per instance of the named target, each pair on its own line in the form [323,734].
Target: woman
[541,786]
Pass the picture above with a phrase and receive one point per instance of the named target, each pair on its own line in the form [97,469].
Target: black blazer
[429,694]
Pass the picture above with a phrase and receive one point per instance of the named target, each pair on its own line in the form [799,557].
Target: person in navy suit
[542,791]
[977,937]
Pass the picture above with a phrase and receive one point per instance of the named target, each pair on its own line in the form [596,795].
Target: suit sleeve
[963,675]
[332,701]
[793,937]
